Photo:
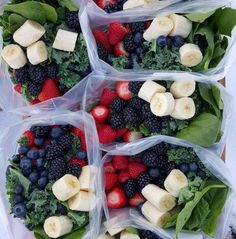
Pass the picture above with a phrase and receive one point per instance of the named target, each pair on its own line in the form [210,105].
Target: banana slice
[160,26]
[28,33]
[112,226]
[133,3]
[65,40]
[182,26]
[56,227]
[159,197]
[66,187]
[14,56]
[127,235]
[148,89]
[37,53]
[82,201]
[106,236]
[162,104]
[153,215]
[184,109]
[183,88]
[175,181]
[87,178]
[190,55]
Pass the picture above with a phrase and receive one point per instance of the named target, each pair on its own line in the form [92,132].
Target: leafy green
[203,130]
[171,221]
[50,12]
[39,233]
[68,4]
[15,21]
[75,147]
[23,141]
[217,96]
[199,16]
[80,219]
[132,230]
[119,62]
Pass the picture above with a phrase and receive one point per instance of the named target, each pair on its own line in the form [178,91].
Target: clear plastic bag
[214,164]
[97,82]
[14,228]
[93,18]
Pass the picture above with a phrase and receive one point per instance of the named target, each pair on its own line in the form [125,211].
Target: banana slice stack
[175,103]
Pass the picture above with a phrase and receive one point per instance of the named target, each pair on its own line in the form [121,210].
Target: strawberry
[136,200]
[30,137]
[119,50]
[107,97]
[109,168]
[81,135]
[75,160]
[122,90]
[120,132]
[101,37]
[147,24]
[34,102]
[106,134]
[116,198]
[110,180]
[18,88]
[49,90]
[135,169]
[123,176]
[103,3]
[116,32]
[131,136]
[100,113]
[120,162]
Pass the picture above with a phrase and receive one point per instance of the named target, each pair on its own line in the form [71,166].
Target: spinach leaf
[203,130]
[217,96]
[15,21]
[132,230]
[199,17]
[75,235]
[39,233]
[68,4]
[50,12]
[171,221]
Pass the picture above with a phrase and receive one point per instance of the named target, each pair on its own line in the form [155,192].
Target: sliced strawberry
[110,180]
[131,136]
[119,50]
[123,176]
[34,102]
[100,113]
[81,135]
[121,132]
[106,134]
[30,137]
[107,97]
[103,3]
[116,32]
[135,169]
[120,162]
[122,90]
[75,160]
[116,198]
[18,88]
[101,37]
[109,168]
[136,200]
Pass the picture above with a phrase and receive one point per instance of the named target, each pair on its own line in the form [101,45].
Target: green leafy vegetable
[50,12]
[75,147]
[217,96]
[132,230]
[15,21]
[75,235]
[23,141]
[171,221]
[80,219]
[68,4]
[199,17]
[119,62]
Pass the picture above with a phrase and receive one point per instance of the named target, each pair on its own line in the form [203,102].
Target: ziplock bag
[14,227]
[97,82]
[93,18]
[214,164]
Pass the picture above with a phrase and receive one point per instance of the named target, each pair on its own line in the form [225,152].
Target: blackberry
[117,121]
[145,234]
[52,71]
[160,181]
[138,27]
[34,89]
[112,8]
[63,89]
[136,103]
[37,74]
[150,159]
[21,75]
[146,111]
[102,52]
[130,187]
[117,105]
[65,141]
[128,42]
[162,161]
[169,167]
[57,168]
[154,125]
[74,169]
[40,131]
[159,149]
[143,180]
[54,151]
[130,116]
[72,21]
[134,86]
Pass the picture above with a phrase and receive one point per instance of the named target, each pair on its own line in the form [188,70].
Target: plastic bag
[14,227]
[214,164]
[94,18]
[97,82]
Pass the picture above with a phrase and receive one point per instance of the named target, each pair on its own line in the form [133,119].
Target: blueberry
[54,141]
[40,162]
[42,182]
[44,173]
[23,149]
[25,164]
[139,51]
[81,154]
[110,59]
[33,177]
[56,132]
[201,174]
[178,41]
[18,199]
[27,172]
[61,209]
[129,64]
[161,41]
[38,142]
[42,153]
[184,167]
[32,154]
[154,172]
[85,72]
[15,158]
[19,210]
[19,189]
[138,38]
[145,47]
[168,41]
[193,167]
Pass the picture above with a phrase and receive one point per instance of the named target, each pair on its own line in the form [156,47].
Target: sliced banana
[160,26]
[87,178]
[105,236]
[57,226]
[184,108]
[175,181]
[28,33]
[66,187]
[82,201]
[159,197]
[133,3]
[37,53]
[182,26]
[112,226]
[183,88]
[65,40]
[127,235]
[14,56]
[148,89]
[162,104]
[153,215]
[190,55]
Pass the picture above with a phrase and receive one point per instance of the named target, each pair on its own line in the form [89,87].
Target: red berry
[136,200]
[116,198]
[81,136]
[120,162]
[18,88]
[135,169]
[29,135]
[75,160]
[109,168]
[121,132]
[107,97]
[103,3]
[110,180]
[34,102]
[119,50]
[116,32]
[131,136]
[123,176]
[122,90]
[101,37]
[100,113]
[106,134]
